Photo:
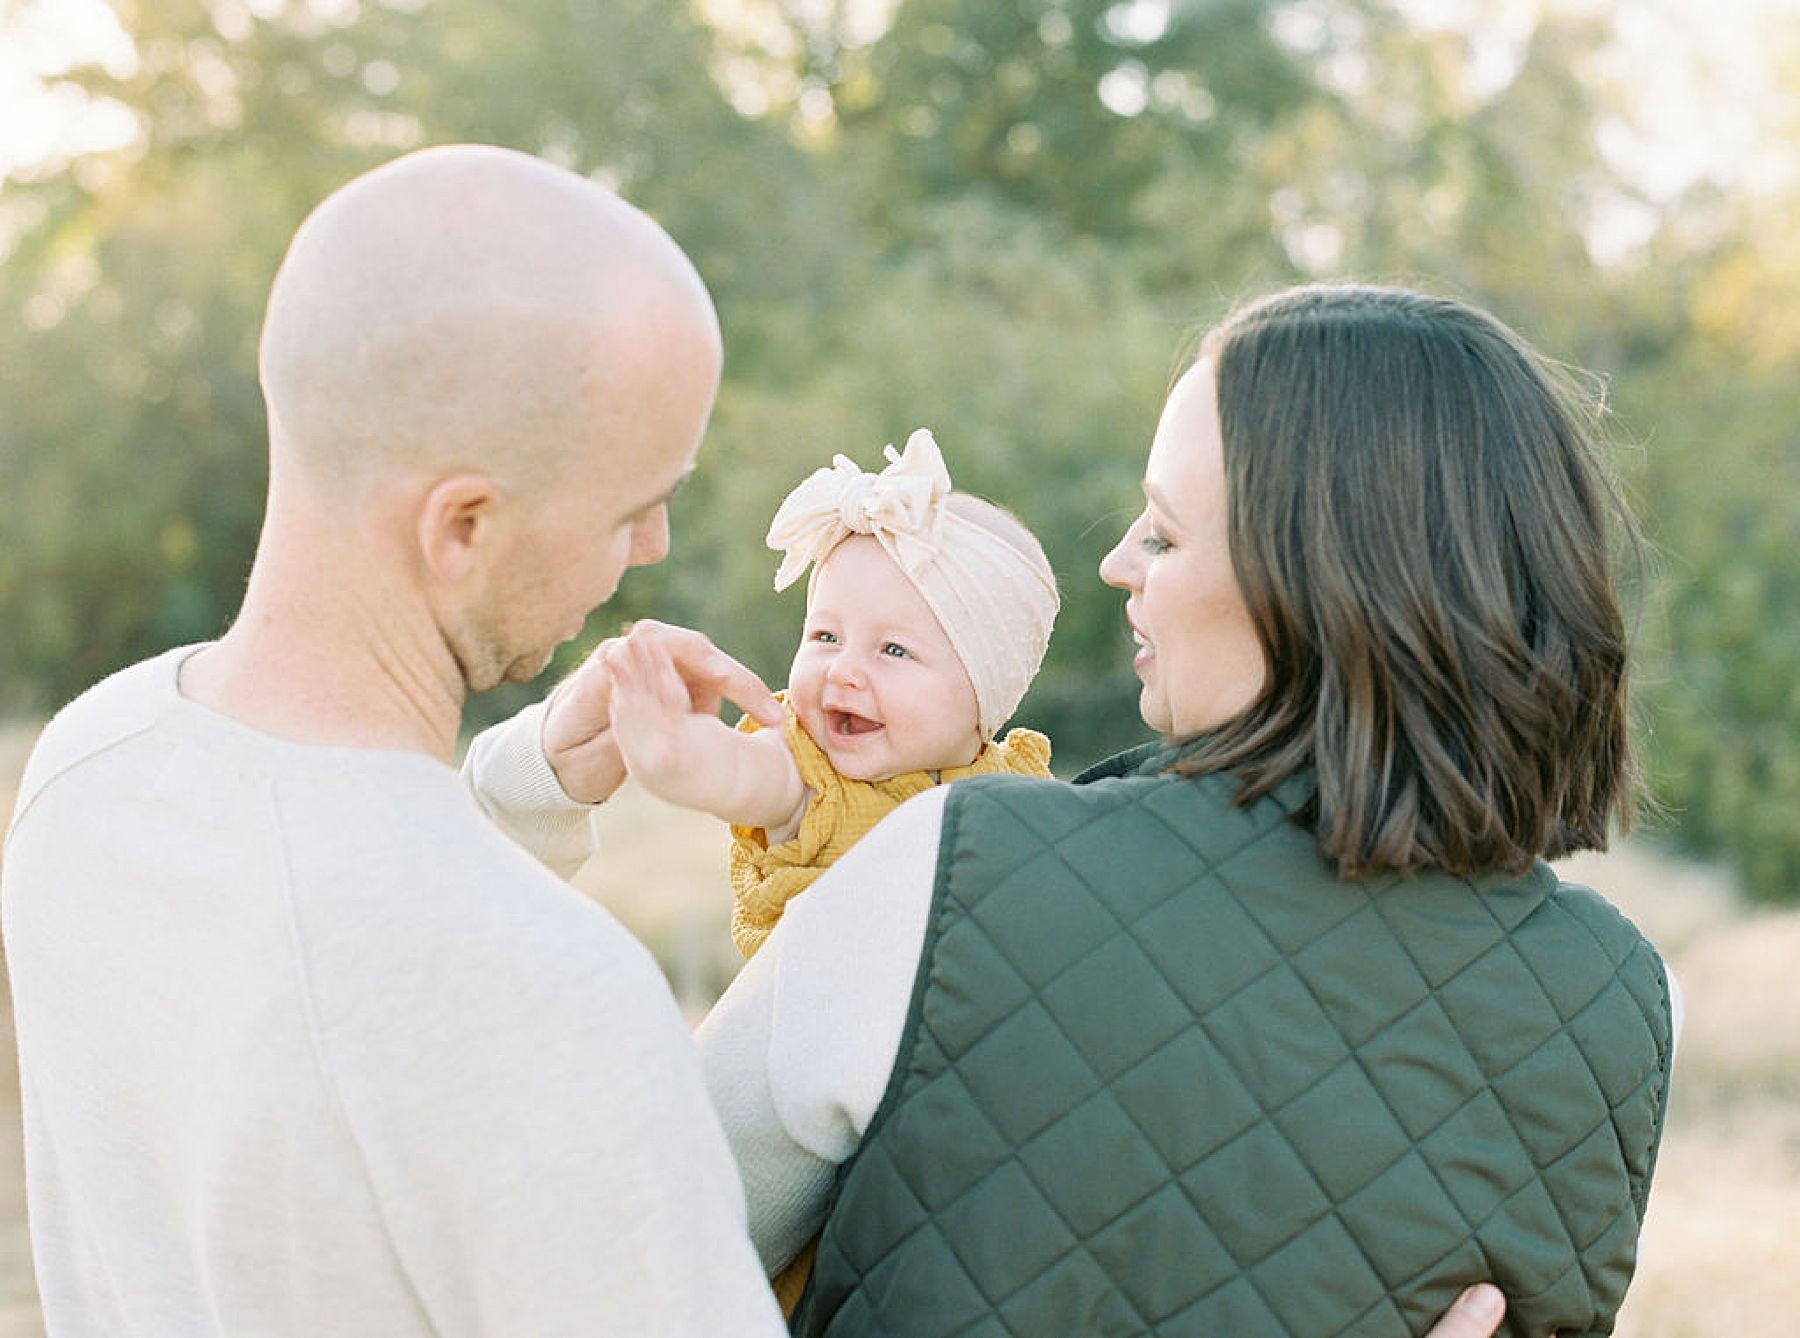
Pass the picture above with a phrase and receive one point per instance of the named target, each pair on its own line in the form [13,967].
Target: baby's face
[875,680]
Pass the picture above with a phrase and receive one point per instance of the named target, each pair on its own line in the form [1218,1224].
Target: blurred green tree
[1002,221]
[131,438]
[1718,409]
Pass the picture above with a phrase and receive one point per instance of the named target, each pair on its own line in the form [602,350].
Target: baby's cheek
[803,688]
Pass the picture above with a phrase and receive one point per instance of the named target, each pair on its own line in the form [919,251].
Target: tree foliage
[1004,221]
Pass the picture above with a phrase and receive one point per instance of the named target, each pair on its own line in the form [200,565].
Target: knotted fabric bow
[995,601]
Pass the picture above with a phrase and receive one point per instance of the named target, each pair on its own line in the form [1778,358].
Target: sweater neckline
[231,735]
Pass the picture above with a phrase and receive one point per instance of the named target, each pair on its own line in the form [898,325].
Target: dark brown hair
[1422,527]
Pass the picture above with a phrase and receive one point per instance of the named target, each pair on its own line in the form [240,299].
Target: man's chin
[528,667]
[490,672]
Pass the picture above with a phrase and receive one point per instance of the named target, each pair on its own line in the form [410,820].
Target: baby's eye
[895,650]
[820,634]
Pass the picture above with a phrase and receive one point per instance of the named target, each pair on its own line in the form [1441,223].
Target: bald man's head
[473,308]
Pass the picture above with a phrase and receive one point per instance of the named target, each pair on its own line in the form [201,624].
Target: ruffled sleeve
[1024,752]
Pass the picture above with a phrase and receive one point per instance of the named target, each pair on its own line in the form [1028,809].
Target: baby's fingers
[615,656]
[661,680]
[636,701]
[708,672]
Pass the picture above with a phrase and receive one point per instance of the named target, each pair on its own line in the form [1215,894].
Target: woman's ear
[458,523]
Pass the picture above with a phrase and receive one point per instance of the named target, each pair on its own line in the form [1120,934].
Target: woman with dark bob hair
[1418,522]
[1279,1025]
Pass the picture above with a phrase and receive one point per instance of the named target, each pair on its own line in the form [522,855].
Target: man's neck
[325,657]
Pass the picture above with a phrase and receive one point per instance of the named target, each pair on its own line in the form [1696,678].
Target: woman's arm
[798,1051]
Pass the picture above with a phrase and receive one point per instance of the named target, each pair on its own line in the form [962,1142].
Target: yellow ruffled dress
[764,877]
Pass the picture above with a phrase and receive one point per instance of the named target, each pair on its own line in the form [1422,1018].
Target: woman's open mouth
[1145,653]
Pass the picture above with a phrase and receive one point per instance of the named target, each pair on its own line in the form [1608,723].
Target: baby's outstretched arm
[690,757]
[577,734]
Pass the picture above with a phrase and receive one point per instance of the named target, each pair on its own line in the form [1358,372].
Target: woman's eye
[1155,543]
[895,650]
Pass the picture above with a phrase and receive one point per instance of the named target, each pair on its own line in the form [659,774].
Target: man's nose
[650,539]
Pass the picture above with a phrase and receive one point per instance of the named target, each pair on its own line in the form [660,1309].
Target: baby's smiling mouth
[849,724]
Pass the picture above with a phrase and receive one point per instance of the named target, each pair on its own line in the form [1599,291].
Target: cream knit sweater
[310,1047]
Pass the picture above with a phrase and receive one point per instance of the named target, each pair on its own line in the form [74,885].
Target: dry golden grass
[661,870]
[1721,1248]
[1720,1254]
[18,1297]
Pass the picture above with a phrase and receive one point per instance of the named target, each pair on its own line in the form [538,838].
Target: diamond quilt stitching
[1324,1104]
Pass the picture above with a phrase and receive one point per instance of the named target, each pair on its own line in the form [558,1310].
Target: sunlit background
[1003,219]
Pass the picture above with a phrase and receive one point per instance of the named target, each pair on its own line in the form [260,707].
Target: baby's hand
[672,740]
[578,737]
[663,739]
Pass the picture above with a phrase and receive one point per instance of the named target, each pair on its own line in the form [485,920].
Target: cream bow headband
[995,601]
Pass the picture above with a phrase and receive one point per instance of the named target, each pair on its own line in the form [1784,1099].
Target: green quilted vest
[1164,1073]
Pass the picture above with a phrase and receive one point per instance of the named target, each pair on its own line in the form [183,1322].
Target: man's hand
[578,738]
[1475,1314]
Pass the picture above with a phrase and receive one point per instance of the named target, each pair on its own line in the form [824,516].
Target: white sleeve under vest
[799,1050]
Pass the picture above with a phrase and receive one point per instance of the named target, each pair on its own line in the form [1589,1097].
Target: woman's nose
[1116,567]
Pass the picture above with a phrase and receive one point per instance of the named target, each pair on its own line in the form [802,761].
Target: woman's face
[1198,653]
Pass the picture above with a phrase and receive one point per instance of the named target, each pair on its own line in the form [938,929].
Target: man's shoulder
[416,873]
[121,707]
[394,828]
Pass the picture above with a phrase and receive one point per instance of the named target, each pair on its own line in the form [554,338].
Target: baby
[927,615]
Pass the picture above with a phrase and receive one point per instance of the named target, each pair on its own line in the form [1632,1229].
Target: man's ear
[458,523]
